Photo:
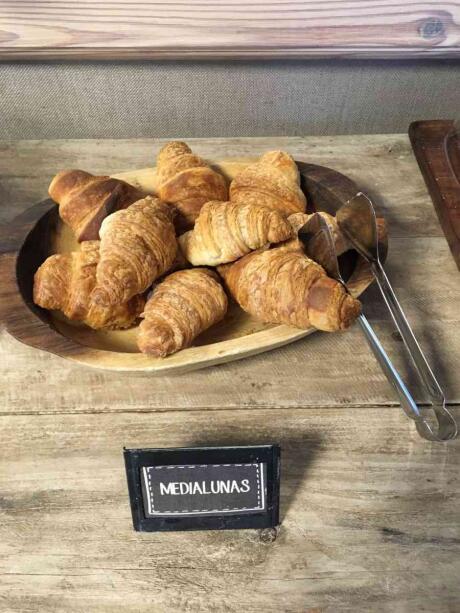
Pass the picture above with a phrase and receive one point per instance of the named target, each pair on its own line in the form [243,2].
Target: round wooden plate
[38,233]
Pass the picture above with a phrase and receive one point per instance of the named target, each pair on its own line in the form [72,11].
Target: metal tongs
[357,221]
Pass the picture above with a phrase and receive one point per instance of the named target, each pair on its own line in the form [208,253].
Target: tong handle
[447,425]
[408,404]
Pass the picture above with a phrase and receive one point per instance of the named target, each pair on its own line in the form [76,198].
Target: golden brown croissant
[64,282]
[282,286]
[85,200]
[225,231]
[186,180]
[138,245]
[182,306]
[274,181]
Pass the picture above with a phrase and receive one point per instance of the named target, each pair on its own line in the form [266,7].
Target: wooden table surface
[370,512]
[110,29]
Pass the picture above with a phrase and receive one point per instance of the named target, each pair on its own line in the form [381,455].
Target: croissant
[286,287]
[138,245]
[187,181]
[85,200]
[64,282]
[182,306]
[274,181]
[225,231]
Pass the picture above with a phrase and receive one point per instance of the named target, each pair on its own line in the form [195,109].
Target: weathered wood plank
[419,264]
[422,270]
[156,29]
[370,511]
[383,165]
[370,517]
[323,369]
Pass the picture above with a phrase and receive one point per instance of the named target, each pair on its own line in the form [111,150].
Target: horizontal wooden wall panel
[115,29]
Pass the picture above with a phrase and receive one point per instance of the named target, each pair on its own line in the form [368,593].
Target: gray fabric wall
[166,99]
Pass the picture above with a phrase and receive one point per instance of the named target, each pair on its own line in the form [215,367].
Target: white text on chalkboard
[177,488]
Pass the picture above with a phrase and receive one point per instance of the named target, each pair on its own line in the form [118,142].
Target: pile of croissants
[196,243]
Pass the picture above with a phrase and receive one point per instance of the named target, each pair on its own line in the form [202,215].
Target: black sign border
[136,459]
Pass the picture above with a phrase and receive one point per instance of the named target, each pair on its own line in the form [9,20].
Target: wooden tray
[38,232]
[436,145]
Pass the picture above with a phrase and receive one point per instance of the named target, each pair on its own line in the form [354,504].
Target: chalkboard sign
[203,488]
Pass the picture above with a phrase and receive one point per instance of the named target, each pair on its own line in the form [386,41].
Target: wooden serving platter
[39,232]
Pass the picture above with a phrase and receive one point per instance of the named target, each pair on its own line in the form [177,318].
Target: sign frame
[137,459]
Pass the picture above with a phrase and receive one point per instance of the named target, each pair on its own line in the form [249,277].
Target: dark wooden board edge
[23,247]
[428,139]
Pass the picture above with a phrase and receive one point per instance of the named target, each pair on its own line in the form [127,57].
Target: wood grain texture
[369,518]
[369,510]
[293,376]
[383,165]
[437,149]
[53,29]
